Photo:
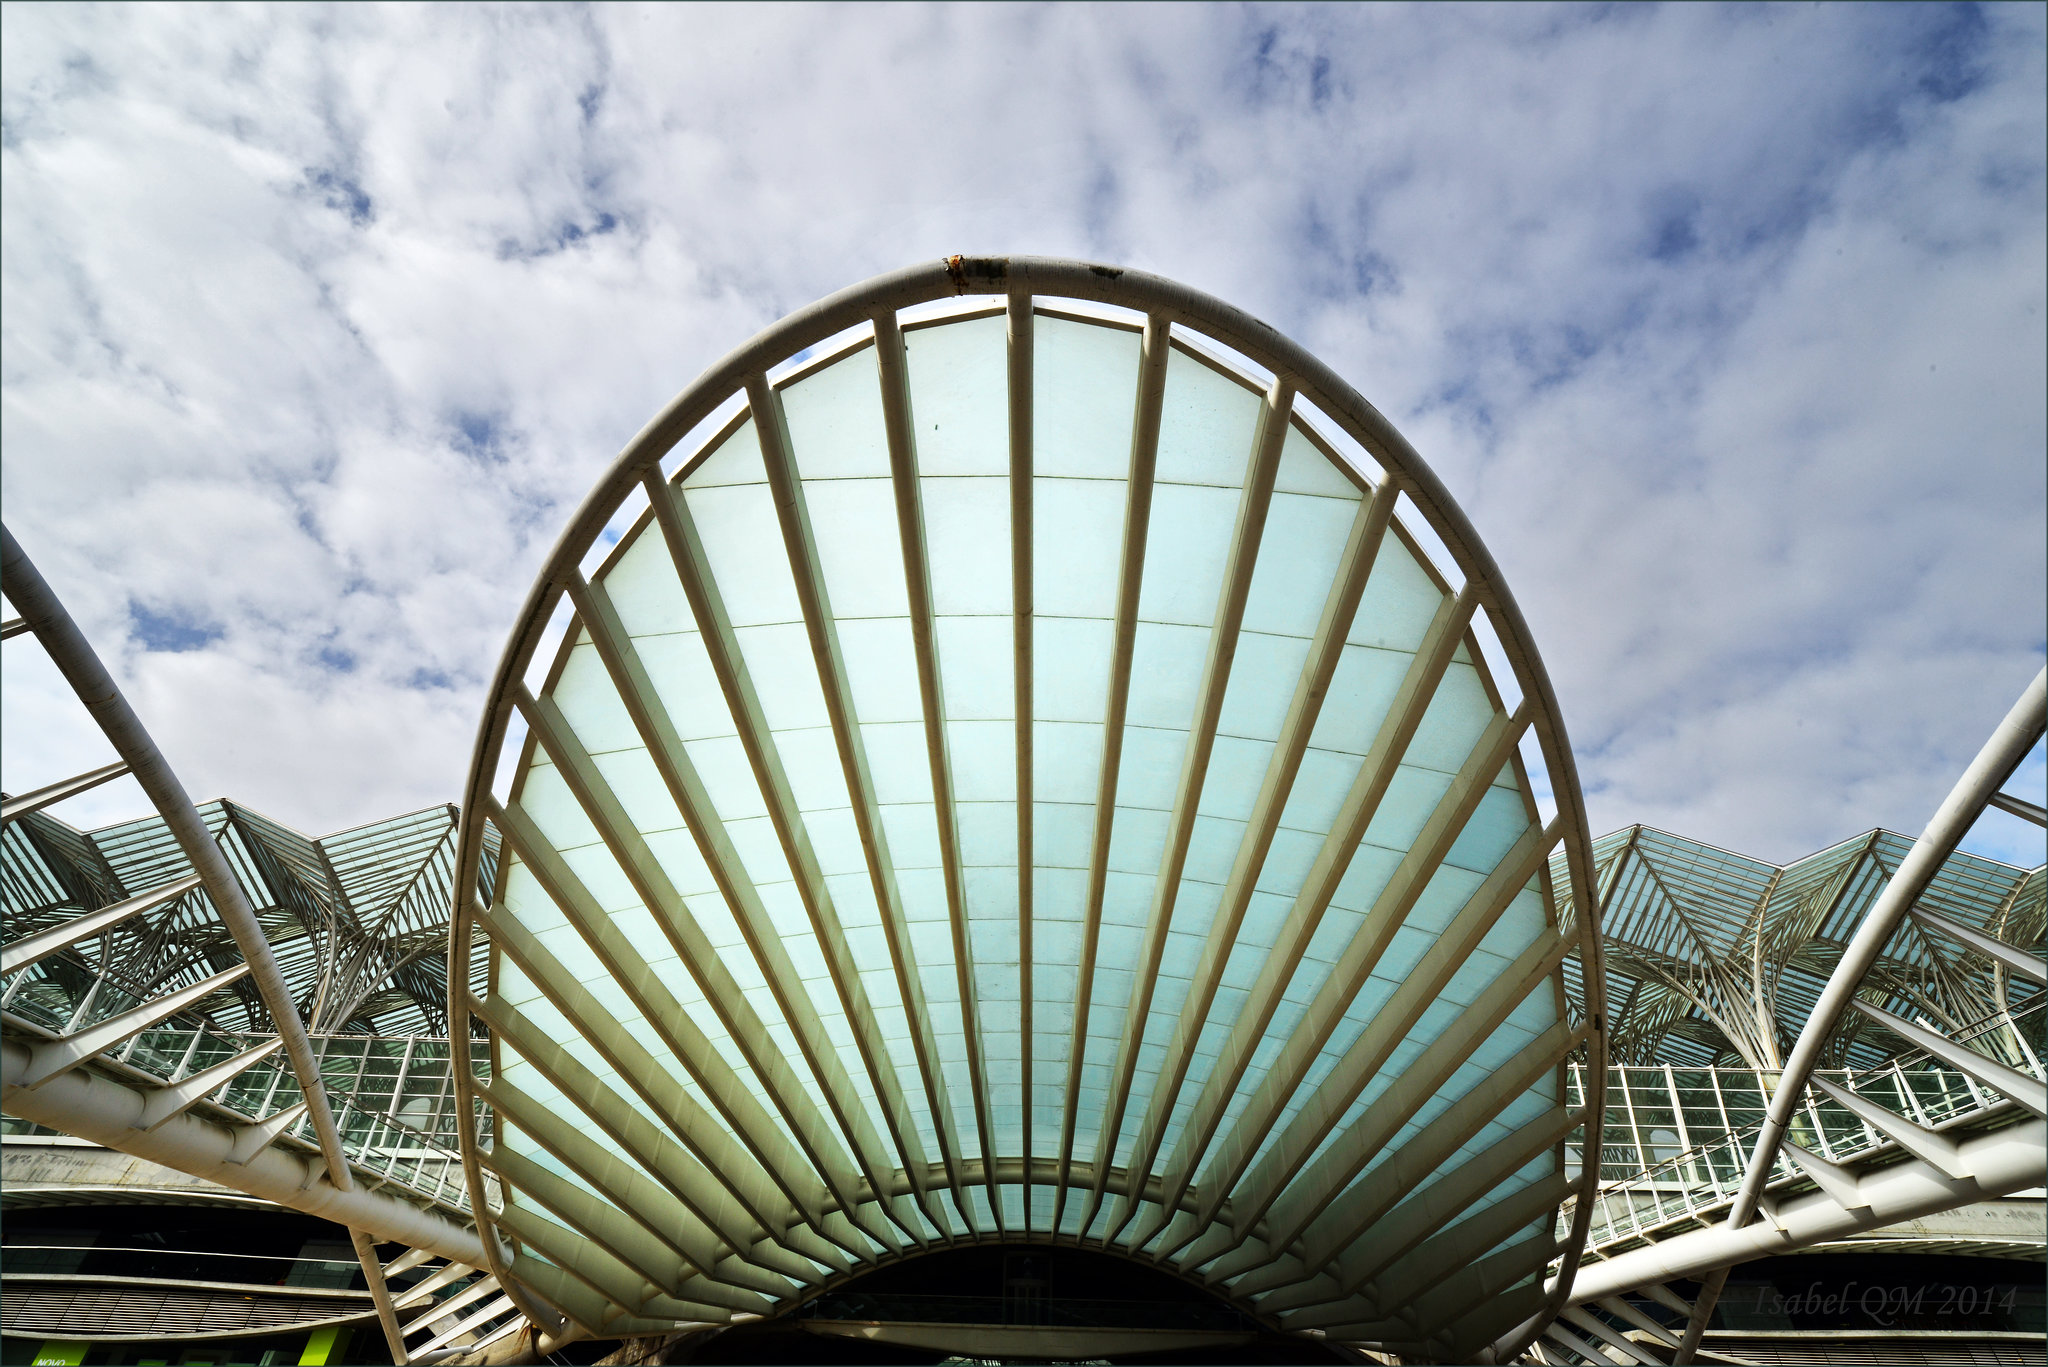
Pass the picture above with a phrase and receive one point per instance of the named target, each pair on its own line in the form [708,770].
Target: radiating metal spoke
[1157,348]
[1254,501]
[903,468]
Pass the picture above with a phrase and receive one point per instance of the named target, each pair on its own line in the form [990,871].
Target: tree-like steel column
[1946,1173]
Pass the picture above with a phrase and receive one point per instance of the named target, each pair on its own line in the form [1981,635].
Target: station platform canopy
[992,763]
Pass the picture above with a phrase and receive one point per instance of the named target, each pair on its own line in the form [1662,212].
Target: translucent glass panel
[1085,396]
[1285,901]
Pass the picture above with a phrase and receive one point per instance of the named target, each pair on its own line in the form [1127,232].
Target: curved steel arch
[782,1139]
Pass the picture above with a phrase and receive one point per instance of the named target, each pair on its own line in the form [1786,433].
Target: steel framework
[719,1041]
[358,920]
[1716,959]
[780,911]
[1794,1189]
[140,971]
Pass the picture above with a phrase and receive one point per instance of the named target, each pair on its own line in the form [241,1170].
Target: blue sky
[1724,324]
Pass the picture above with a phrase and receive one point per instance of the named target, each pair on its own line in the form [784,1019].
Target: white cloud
[1724,325]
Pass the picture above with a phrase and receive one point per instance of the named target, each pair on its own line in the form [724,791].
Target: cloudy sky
[1725,326]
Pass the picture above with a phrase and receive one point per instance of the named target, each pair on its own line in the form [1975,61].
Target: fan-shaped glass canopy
[1014,777]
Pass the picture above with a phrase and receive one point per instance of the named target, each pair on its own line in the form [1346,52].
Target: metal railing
[1662,1180]
[415,1148]
[185,1265]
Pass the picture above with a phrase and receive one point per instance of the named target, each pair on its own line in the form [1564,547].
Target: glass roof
[1017,780]
[1698,939]
[357,920]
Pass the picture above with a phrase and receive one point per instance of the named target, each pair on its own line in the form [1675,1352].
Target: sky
[1724,325]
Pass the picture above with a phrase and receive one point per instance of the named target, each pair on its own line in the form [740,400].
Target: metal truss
[357,921]
[1677,1141]
[1714,958]
[450,1311]
[1828,1159]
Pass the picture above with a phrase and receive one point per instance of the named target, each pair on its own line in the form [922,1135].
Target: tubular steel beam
[59,1056]
[679,1185]
[607,815]
[183,1095]
[657,731]
[2019,807]
[707,606]
[1361,803]
[1157,347]
[1021,368]
[2008,745]
[114,1115]
[811,1154]
[57,792]
[33,948]
[890,358]
[1326,649]
[1986,1072]
[2002,1162]
[95,688]
[81,667]
[2011,956]
[380,1293]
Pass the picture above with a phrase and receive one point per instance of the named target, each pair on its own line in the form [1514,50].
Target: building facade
[1020,784]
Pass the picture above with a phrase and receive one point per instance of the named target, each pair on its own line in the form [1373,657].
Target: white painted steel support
[1985,1072]
[1978,787]
[2003,1162]
[2018,960]
[2020,807]
[61,1055]
[1935,1149]
[1605,1333]
[181,1096]
[110,1113]
[57,792]
[373,1273]
[81,667]
[2001,754]
[34,948]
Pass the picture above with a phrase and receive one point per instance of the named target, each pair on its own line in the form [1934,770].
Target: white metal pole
[81,667]
[2001,754]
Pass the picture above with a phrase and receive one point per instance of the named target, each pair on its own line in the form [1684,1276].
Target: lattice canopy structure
[358,920]
[1715,958]
[989,764]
